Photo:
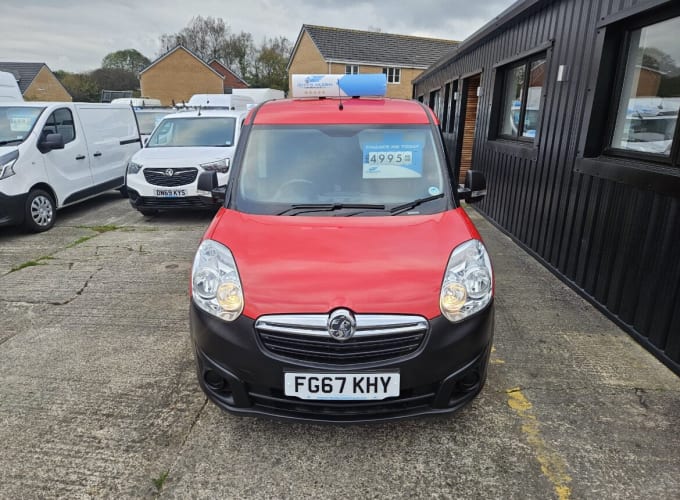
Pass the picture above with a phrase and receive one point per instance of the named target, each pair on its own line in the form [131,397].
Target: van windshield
[147,120]
[345,167]
[16,122]
[194,132]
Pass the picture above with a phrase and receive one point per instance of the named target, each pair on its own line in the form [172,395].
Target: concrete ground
[98,396]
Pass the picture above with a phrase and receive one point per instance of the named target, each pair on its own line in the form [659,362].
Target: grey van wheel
[41,211]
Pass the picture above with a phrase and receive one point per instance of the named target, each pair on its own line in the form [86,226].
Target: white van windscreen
[194,132]
[16,122]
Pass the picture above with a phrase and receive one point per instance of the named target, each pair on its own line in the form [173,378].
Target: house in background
[177,75]
[231,80]
[36,81]
[324,50]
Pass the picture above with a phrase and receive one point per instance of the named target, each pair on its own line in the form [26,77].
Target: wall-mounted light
[480,92]
[562,73]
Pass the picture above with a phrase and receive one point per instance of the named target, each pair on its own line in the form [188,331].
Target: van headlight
[133,167]
[219,166]
[215,283]
[468,282]
[7,164]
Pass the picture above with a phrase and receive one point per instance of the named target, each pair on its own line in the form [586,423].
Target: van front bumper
[12,209]
[178,203]
[239,374]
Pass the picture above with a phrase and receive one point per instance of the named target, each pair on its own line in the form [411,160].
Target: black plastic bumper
[12,209]
[241,376]
[183,203]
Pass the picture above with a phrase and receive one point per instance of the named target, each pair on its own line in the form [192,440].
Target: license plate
[339,386]
[171,193]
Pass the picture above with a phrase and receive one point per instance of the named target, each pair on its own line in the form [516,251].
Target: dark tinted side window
[60,122]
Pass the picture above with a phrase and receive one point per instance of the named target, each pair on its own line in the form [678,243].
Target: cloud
[75,35]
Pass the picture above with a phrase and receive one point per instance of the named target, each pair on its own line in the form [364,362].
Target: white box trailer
[54,154]
[260,95]
[9,88]
[225,101]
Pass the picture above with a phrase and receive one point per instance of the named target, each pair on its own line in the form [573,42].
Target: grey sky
[75,35]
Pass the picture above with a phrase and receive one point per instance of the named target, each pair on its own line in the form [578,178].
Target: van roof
[327,111]
[208,113]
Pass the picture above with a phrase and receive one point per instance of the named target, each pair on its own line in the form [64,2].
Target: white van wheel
[40,211]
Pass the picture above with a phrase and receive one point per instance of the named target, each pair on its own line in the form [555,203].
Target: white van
[226,101]
[57,154]
[163,175]
[137,101]
[260,95]
[9,88]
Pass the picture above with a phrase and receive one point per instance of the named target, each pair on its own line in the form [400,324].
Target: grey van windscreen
[193,132]
[341,164]
[16,122]
[147,120]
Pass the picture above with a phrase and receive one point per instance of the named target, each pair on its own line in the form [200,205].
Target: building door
[468,122]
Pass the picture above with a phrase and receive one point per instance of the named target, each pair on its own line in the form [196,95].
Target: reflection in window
[521,98]
[650,98]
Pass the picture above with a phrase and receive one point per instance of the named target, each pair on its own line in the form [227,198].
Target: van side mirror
[207,181]
[50,142]
[474,188]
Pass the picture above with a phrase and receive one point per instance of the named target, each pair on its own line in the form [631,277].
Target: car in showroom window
[342,281]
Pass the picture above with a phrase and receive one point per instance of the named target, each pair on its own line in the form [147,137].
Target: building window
[351,69]
[393,74]
[522,88]
[60,122]
[436,103]
[647,109]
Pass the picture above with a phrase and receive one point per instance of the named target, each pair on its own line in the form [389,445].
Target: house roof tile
[25,72]
[369,47]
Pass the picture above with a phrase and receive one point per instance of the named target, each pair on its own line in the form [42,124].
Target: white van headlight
[468,282]
[215,283]
[7,164]
[219,166]
[133,167]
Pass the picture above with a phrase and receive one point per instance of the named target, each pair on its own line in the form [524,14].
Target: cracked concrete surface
[98,396]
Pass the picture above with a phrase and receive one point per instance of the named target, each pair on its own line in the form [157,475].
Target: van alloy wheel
[40,211]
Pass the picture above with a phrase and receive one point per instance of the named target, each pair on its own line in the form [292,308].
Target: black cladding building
[570,108]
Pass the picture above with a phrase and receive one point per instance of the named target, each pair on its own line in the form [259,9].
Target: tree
[238,53]
[114,79]
[81,86]
[129,60]
[204,36]
[270,64]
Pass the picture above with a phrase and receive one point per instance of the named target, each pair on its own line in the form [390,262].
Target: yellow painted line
[495,360]
[553,467]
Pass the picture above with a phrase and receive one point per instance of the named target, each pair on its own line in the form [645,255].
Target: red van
[341,281]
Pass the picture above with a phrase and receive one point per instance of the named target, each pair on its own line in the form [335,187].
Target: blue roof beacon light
[339,85]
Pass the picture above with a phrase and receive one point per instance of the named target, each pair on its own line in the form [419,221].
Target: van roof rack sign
[373,85]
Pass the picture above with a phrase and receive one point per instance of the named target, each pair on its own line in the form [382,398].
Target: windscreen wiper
[412,204]
[4,143]
[328,207]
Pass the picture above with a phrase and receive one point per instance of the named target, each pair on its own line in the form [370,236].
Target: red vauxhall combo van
[341,281]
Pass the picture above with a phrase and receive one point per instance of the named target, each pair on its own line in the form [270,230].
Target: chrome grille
[179,177]
[305,337]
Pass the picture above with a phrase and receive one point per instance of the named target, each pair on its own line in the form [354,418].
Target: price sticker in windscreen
[393,161]
[390,158]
